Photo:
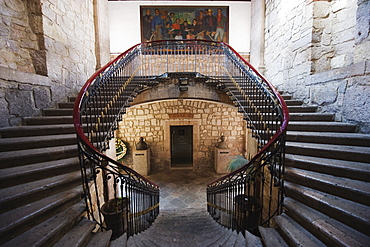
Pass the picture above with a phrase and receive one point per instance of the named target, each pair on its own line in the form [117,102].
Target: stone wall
[70,41]
[319,52]
[21,42]
[209,120]
[50,52]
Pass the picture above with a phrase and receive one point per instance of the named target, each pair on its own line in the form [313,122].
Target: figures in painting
[221,25]
[147,25]
[210,25]
[157,25]
[184,23]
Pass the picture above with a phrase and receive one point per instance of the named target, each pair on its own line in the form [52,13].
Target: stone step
[21,131]
[251,94]
[321,126]
[232,240]
[354,190]
[43,120]
[330,151]
[271,237]
[311,116]
[100,239]
[58,112]
[292,102]
[355,139]
[295,234]
[261,102]
[286,96]
[298,117]
[240,241]
[17,196]
[150,240]
[24,174]
[119,242]
[301,109]
[354,215]
[32,142]
[180,225]
[181,228]
[66,105]
[72,99]
[317,127]
[335,167]
[130,88]
[51,230]
[252,240]
[78,236]
[18,220]
[291,109]
[328,230]
[221,239]
[218,233]
[31,156]
[39,122]
[142,240]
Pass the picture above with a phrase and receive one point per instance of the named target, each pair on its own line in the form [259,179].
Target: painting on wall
[184,22]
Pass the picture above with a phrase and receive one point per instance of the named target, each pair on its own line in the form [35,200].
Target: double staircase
[327,190]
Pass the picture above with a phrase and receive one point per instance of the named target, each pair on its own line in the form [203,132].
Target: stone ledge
[356,69]
[24,77]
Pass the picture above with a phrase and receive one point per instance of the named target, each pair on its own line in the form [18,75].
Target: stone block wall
[209,120]
[319,52]
[22,94]
[21,42]
[48,52]
[70,43]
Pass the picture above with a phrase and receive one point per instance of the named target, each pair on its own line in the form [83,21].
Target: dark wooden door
[182,146]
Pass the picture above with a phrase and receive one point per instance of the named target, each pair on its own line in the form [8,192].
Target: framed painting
[184,22]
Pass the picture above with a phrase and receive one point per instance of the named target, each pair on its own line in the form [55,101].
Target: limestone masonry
[319,52]
[209,119]
[49,54]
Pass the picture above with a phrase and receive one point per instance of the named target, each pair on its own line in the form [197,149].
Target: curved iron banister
[238,200]
[116,180]
[284,106]
[107,94]
[283,128]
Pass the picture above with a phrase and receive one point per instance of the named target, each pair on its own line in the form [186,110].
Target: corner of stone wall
[22,94]
[318,51]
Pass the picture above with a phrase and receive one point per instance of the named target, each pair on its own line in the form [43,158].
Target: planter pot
[115,218]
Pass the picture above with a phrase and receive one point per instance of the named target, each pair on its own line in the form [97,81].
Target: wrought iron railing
[106,95]
[250,196]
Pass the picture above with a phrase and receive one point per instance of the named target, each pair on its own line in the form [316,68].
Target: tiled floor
[183,188]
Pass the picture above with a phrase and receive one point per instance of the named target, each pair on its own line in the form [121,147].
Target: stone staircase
[327,188]
[184,227]
[40,184]
[327,183]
